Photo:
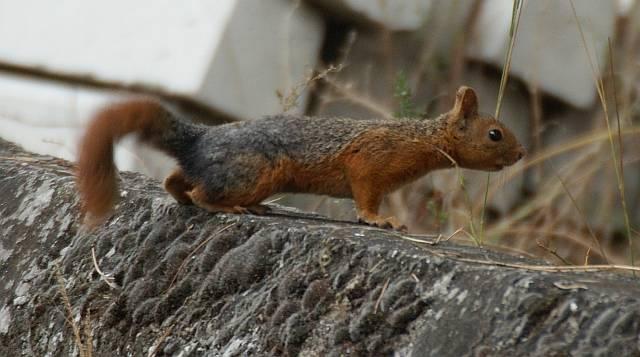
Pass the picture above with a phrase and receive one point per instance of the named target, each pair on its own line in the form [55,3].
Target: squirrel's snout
[521,152]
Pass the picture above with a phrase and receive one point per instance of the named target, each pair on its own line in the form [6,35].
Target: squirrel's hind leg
[238,183]
[179,187]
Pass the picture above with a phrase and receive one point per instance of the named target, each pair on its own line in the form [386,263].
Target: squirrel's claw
[255,209]
[259,209]
[386,223]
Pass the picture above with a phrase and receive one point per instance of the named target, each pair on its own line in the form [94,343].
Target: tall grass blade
[620,169]
[513,31]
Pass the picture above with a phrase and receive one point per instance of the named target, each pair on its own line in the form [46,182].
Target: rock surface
[189,283]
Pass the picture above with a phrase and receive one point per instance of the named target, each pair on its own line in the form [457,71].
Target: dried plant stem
[536,126]
[82,350]
[555,268]
[384,289]
[549,233]
[620,169]
[553,252]
[603,101]
[585,221]
[359,99]
[458,49]
[513,31]
[107,278]
[484,206]
[540,202]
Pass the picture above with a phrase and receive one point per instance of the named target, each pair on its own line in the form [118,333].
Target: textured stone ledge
[189,283]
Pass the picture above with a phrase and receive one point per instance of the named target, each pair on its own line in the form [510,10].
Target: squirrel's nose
[521,152]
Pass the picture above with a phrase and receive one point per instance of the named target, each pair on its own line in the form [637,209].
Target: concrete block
[399,15]
[49,118]
[625,6]
[394,14]
[549,51]
[232,54]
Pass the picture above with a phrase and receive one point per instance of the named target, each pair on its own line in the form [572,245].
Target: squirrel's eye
[495,135]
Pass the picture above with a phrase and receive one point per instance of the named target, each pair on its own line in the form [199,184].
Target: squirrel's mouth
[501,165]
[504,163]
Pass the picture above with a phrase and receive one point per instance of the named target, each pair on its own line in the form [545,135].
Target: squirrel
[233,167]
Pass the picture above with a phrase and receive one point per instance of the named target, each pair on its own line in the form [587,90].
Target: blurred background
[571,96]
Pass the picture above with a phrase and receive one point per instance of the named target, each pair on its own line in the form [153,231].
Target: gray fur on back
[309,139]
[229,157]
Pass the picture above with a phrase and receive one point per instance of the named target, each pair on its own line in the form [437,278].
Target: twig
[552,252]
[586,256]
[547,232]
[552,268]
[416,240]
[104,277]
[384,289]
[290,100]
[461,229]
[359,99]
[67,305]
[274,200]
[585,221]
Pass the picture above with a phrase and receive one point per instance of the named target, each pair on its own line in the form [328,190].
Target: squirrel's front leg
[368,198]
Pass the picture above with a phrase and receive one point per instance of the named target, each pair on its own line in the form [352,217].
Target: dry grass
[83,338]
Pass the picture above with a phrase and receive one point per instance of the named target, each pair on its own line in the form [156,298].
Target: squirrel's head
[480,141]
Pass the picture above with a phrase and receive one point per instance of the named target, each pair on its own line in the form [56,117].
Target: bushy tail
[96,171]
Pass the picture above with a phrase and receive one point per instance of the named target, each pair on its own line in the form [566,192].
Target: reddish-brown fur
[365,170]
[368,167]
[374,170]
[97,175]
[178,185]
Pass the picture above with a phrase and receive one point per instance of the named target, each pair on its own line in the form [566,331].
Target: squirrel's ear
[466,105]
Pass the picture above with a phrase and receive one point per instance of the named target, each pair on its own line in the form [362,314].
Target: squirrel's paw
[239,210]
[255,209]
[259,209]
[387,223]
